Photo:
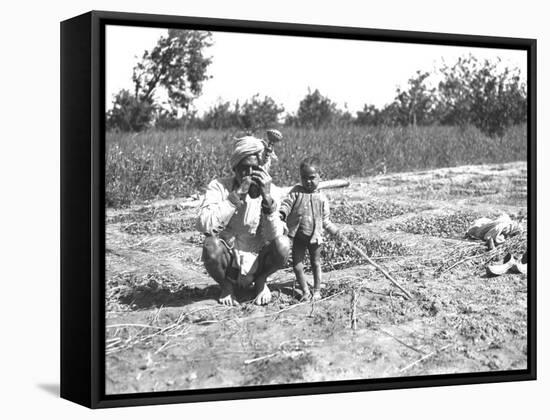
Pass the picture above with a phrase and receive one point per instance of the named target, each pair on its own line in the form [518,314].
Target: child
[306,212]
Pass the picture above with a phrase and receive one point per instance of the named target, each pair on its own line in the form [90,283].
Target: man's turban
[244,147]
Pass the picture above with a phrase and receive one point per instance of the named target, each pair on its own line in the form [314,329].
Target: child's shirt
[307,213]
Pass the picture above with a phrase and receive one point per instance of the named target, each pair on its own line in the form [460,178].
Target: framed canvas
[258,209]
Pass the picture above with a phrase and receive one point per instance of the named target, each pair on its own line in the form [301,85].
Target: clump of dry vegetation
[149,220]
[145,214]
[156,334]
[163,227]
[445,226]
[336,255]
[360,213]
[476,254]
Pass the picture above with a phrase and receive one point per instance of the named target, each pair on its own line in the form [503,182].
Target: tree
[259,113]
[176,64]
[414,105]
[129,114]
[166,119]
[255,113]
[390,115]
[471,91]
[221,116]
[368,116]
[315,110]
[479,93]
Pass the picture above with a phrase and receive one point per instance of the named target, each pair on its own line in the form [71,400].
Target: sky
[350,73]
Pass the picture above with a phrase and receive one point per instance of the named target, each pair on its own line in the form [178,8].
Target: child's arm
[327,224]
[286,204]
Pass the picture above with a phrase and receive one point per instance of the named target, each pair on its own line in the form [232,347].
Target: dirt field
[165,330]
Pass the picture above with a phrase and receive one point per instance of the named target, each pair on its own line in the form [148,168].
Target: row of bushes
[470,92]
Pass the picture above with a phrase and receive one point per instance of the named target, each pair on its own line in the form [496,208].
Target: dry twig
[257,359]
[471,257]
[424,358]
[353,311]
[402,342]
[371,262]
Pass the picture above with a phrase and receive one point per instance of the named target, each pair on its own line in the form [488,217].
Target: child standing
[306,212]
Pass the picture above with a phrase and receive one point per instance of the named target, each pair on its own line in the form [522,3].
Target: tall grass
[165,164]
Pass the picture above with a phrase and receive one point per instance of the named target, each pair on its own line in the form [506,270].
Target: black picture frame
[83,208]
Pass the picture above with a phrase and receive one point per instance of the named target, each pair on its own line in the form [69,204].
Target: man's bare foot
[264,297]
[227,297]
[316,295]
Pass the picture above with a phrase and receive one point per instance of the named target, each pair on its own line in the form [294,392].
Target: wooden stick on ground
[333,183]
[353,309]
[371,262]
[324,185]
[257,359]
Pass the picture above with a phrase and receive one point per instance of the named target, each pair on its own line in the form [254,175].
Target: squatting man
[245,236]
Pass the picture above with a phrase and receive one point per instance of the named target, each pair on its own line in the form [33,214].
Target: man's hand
[263,179]
[245,186]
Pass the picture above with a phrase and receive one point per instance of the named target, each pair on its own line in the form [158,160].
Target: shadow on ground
[52,389]
[150,296]
[153,296]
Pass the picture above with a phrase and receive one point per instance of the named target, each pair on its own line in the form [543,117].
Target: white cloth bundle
[497,230]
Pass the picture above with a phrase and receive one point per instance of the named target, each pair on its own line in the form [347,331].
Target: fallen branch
[371,262]
[353,311]
[402,342]
[162,347]
[424,358]
[121,344]
[133,325]
[257,359]
[288,308]
[334,183]
[472,257]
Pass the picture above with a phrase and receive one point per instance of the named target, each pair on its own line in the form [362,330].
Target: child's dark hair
[310,162]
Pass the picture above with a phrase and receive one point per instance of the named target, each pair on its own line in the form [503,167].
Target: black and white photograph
[284,209]
[303,209]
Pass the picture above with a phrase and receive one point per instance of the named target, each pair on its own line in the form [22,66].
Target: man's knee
[281,250]
[213,251]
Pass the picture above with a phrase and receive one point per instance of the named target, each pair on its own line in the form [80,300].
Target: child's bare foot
[306,295]
[317,295]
